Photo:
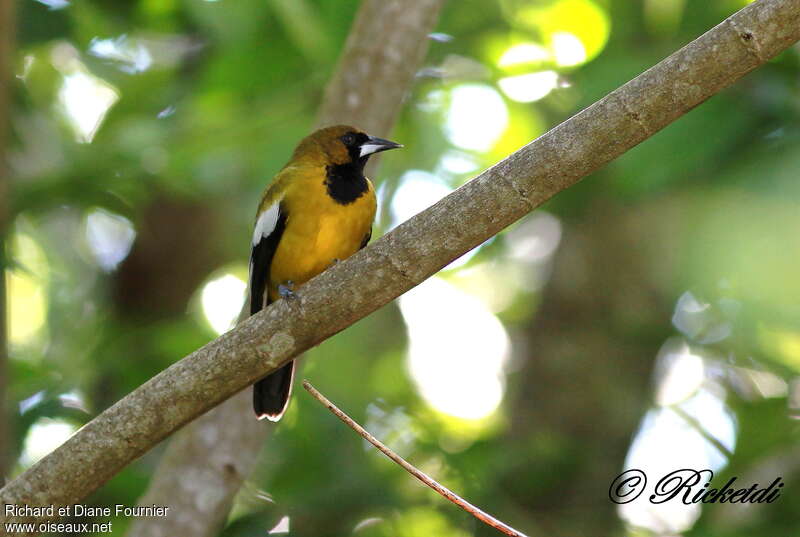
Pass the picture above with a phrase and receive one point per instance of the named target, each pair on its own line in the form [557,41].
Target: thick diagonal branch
[409,254]
[206,462]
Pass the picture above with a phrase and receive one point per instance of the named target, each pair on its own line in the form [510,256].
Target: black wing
[260,260]
[271,393]
[366,239]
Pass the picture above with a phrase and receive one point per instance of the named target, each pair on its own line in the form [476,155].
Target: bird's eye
[348,139]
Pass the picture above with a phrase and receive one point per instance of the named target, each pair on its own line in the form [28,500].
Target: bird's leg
[335,260]
[285,290]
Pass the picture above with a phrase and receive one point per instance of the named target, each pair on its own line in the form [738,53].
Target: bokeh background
[648,317]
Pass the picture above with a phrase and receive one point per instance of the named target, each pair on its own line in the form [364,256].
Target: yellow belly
[319,232]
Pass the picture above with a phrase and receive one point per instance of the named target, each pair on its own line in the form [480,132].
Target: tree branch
[383,52]
[406,256]
[206,462]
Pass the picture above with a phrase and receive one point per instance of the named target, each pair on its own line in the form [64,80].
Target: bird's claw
[285,290]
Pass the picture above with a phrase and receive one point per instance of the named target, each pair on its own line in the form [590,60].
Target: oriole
[318,210]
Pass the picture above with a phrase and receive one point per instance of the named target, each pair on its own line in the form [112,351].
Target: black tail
[271,394]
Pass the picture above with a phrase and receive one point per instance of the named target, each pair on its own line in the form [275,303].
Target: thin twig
[422,476]
[695,424]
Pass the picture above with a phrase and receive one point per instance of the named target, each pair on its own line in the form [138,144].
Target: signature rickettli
[682,485]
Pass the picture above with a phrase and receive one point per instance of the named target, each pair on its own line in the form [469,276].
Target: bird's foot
[335,260]
[285,290]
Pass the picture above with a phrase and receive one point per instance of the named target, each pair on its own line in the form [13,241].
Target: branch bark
[406,256]
[6,48]
[206,463]
[383,52]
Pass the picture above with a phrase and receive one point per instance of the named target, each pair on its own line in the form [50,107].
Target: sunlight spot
[665,442]
[110,237]
[367,523]
[495,284]
[418,190]
[680,373]
[281,527]
[524,266]
[29,255]
[166,112]
[54,4]
[690,304]
[26,284]
[131,55]
[708,407]
[529,87]
[766,384]
[222,299]
[27,307]
[568,50]
[27,64]
[575,30]
[458,67]
[85,100]
[476,118]
[535,239]
[457,163]
[74,400]
[43,437]
[785,344]
[440,37]
[432,102]
[393,428]
[702,322]
[523,53]
[31,402]
[457,350]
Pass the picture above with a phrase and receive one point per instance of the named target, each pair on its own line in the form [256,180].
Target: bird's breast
[318,232]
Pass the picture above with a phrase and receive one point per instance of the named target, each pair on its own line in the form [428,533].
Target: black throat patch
[346,182]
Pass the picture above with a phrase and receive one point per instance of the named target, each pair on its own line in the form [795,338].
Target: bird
[318,210]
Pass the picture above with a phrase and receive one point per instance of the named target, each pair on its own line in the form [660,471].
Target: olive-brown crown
[332,145]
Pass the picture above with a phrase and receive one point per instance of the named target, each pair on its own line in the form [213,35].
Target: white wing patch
[266,223]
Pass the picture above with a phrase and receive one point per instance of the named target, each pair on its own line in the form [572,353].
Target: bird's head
[342,144]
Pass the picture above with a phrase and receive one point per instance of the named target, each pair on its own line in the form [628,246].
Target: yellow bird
[318,210]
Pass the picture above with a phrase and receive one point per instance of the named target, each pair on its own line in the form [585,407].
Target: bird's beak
[376,145]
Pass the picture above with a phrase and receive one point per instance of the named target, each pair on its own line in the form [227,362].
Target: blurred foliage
[143,133]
